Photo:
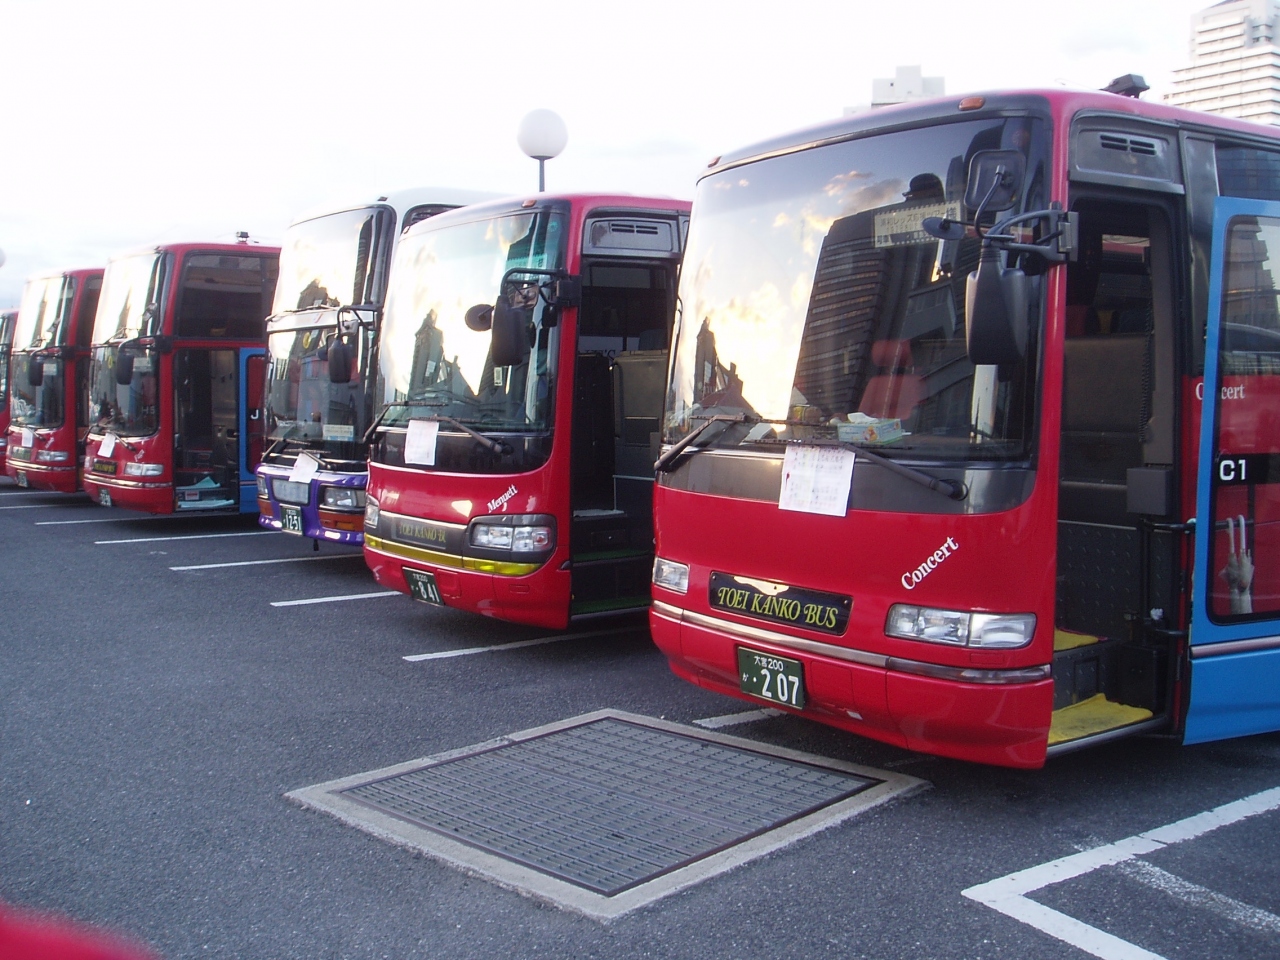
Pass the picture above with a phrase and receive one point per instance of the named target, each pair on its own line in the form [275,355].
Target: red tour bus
[522,360]
[933,436]
[50,380]
[176,378]
[7,319]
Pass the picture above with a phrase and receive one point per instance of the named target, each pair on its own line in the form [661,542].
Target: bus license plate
[771,678]
[422,586]
[291,520]
[22,479]
[104,496]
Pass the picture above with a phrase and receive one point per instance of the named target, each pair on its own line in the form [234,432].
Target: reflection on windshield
[42,405]
[128,409]
[129,287]
[811,294]
[302,404]
[325,262]
[45,312]
[432,362]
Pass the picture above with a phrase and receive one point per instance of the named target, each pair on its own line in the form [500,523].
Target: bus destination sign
[780,603]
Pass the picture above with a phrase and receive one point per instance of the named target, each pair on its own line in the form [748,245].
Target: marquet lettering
[912,578]
[502,500]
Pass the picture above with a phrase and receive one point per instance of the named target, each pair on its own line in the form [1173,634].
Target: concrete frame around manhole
[328,798]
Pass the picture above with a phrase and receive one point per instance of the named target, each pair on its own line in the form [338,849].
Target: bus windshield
[432,363]
[302,403]
[325,262]
[811,296]
[128,409]
[127,306]
[43,321]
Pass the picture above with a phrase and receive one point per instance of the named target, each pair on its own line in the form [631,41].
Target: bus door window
[619,379]
[1117,393]
[206,451]
[1244,560]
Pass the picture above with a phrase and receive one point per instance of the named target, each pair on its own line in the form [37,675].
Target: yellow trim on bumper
[404,551]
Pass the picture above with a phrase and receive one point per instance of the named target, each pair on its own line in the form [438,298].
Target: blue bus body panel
[248,480]
[1235,666]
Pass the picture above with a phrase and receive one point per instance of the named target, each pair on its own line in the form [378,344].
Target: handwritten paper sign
[420,442]
[304,468]
[816,480]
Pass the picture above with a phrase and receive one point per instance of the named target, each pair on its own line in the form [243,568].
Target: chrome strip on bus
[107,480]
[1116,733]
[1234,646]
[938,671]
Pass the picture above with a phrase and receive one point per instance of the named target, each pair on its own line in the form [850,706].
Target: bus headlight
[143,469]
[51,456]
[371,513]
[534,533]
[263,492]
[991,631]
[670,575]
[342,498]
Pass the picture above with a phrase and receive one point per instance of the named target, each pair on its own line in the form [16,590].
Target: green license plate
[22,479]
[422,586]
[104,496]
[291,520]
[772,678]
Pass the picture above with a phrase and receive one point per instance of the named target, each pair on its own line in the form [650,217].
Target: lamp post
[542,135]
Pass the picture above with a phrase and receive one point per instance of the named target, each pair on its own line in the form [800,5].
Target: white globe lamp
[542,136]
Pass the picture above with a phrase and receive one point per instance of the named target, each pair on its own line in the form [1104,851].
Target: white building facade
[1235,62]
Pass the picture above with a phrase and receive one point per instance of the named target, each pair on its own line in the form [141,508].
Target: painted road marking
[469,651]
[258,563]
[733,719]
[63,523]
[349,596]
[34,506]
[1008,894]
[14,491]
[193,536]
[1202,897]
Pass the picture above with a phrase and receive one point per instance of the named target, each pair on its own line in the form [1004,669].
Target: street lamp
[542,135]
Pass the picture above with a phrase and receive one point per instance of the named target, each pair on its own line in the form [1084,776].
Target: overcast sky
[125,122]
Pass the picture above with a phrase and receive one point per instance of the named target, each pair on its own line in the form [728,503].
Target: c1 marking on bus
[1233,470]
[912,577]
[502,500]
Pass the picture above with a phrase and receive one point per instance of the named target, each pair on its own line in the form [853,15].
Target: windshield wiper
[667,461]
[498,447]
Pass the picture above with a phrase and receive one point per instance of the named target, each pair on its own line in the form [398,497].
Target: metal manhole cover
[604,812]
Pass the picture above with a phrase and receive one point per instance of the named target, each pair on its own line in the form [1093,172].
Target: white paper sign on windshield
[420,442]
[107,446]
[304,468]
[28,437]
[816,480]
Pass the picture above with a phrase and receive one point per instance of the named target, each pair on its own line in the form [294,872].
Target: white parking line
[193,536]
[258,563]
[1201,897]
[468,651]
[733,719]
[33,506]
[1008,894]
[349,596]
[15,492]
[63,523]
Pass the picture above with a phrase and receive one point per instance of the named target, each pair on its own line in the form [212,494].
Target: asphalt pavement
[152,720]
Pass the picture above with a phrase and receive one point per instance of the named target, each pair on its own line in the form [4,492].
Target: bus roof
[1060,102]
[402,200]
[187,246]
[514,204]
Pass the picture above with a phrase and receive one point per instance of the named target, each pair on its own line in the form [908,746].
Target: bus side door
[253,378]
[1235,624]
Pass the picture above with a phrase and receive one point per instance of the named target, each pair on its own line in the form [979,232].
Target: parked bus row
[962,414]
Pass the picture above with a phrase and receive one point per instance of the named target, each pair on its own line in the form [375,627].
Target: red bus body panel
[60,477]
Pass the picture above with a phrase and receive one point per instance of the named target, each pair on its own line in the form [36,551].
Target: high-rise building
[1235,62]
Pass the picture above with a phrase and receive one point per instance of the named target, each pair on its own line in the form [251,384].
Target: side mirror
[995,312]
[339,362]
[995,177]
[124,368]
[479,317]
[509,344]
[35,371]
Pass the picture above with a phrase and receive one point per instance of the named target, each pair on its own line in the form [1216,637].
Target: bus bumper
[132,495]
[992,721]
[60,478]
[539,598]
